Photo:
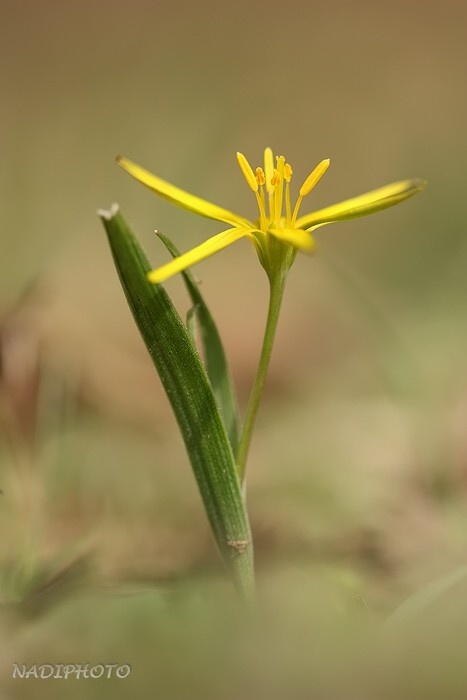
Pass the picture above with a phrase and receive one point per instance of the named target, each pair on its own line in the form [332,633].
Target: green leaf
[216,362]
[423,599]
[191,323]
[420,602]
[189,391]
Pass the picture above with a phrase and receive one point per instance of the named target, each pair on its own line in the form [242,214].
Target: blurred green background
[358,471]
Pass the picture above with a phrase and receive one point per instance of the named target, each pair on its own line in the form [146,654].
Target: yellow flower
[279,231]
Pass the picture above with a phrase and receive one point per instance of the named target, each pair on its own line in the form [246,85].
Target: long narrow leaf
[189,391]
[422,600]
[216,361]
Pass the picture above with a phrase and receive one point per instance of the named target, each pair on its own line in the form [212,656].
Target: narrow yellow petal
[296,237]
[314,177]
[196,255]
[247,171]
[364,204]
[268,168]
[180,197]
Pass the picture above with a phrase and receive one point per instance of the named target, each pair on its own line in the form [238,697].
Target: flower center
[271,186]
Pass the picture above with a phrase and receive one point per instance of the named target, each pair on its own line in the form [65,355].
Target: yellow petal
[298,238]
[196,255]
[247,171]
[314,177]
[268,168]
[364,204]
[180,197]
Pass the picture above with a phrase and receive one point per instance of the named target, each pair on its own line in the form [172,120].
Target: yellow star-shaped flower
[279,231]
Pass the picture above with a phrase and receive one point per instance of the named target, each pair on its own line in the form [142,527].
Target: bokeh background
[358,473]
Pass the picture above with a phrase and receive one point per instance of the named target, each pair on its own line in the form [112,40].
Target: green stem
[276,292]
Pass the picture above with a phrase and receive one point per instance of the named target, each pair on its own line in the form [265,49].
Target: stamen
[247,172]
[314,177]
[260,177]
[288,172]
[287,204]
[263,221]
[278,193]
[276,178]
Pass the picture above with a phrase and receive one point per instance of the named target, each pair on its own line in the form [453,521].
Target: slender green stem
[276,292]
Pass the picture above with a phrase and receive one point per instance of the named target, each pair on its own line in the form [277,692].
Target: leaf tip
[420,183]
[108,214]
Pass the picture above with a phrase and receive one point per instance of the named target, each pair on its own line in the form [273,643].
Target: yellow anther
[288,172]
[247,172]
[260,177]
[276,178]
[280,162]
[314,177]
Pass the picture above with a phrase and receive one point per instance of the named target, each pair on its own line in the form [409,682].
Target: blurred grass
[357,484]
